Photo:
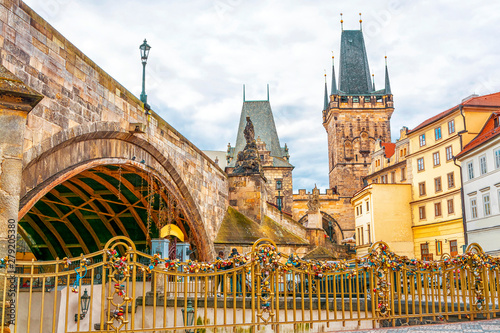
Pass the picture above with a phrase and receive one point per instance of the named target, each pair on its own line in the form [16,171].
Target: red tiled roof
[389,148]
[488,132]
[486,100]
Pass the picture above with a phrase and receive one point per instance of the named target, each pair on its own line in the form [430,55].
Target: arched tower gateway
[354,115]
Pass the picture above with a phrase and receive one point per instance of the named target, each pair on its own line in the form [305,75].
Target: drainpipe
[464,222]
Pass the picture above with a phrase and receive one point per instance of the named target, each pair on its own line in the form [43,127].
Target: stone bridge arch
[65,112]
[78,153]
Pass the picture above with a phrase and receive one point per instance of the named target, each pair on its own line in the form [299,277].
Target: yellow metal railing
[132,291]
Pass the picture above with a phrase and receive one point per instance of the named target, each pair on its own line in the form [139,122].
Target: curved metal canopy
[83,213]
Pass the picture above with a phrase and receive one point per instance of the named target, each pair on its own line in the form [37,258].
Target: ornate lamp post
[189,315]
[85,303]
[144,58]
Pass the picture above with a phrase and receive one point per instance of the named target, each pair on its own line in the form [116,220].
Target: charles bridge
[86,132]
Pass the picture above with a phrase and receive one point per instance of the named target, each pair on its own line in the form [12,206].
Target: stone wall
[333,204]
[78,96]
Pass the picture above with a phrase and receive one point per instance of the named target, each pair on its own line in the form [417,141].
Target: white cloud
[204,51]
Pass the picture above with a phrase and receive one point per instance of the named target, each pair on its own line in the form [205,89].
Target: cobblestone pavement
[469,327]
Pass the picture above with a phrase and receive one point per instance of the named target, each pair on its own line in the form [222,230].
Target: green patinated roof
[263,121]
[236,228]
[320,253]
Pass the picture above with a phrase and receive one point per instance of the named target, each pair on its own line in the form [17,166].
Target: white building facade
[480,161]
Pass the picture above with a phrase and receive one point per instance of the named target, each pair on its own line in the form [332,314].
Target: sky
[202,52]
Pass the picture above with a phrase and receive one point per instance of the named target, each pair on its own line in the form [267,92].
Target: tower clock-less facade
[355,115]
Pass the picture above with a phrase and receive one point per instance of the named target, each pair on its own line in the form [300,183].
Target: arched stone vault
[77,176]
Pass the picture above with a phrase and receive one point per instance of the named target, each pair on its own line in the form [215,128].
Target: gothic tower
[355,115]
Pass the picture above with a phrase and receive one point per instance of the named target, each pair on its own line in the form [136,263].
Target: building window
[439,248]
[437,184]
[368,231]
[279,202]
[424,251]
[449,153]
[435,158]
[375,181]
[486,205]
[420,164]
[451,207]
[421,188]
[451,180]
[437,133]
[368,206]
[470,170]
[453,248]
[383,179]
[367,99]
[437,209]
[422,140]
[421,212]
[377,163]
[451,126]
[482,165]
[497,158]
[279,184]
[473,208]
[355,99]
[403,173]
[393,177]
[362,235]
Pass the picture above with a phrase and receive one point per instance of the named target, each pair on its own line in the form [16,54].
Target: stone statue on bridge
[248,161]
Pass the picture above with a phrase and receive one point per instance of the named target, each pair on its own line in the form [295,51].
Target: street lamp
[85,303]
[144,58]
[189,316]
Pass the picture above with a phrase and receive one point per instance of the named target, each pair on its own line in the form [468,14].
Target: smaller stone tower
[274,159]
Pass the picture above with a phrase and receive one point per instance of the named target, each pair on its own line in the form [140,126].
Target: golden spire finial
[386,60]
[341,22]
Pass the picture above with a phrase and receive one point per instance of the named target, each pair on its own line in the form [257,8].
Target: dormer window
[367,99]
[355,99]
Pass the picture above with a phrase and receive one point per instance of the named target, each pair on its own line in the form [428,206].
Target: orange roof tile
[488,132]
[485,100]
[389,148]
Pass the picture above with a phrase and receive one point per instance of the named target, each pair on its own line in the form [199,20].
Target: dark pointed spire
[243,93]
[354,75]
[334,83]
[387,83]
[325,107]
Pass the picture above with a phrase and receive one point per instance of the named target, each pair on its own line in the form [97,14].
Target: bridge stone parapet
[84,107]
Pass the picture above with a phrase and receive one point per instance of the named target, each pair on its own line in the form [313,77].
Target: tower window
[343,99]
[367,99]
[279,184]
[355,99]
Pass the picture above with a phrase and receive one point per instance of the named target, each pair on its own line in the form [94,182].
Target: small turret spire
[268,92]
[334,83]
[373,82]
[387,83]
[360,22]
[341,22]
[243,93]
[325,107]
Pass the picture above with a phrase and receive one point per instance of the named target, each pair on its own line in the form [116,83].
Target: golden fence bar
[262,287]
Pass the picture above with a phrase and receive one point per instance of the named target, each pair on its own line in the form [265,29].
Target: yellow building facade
[436,206]
[382,213]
